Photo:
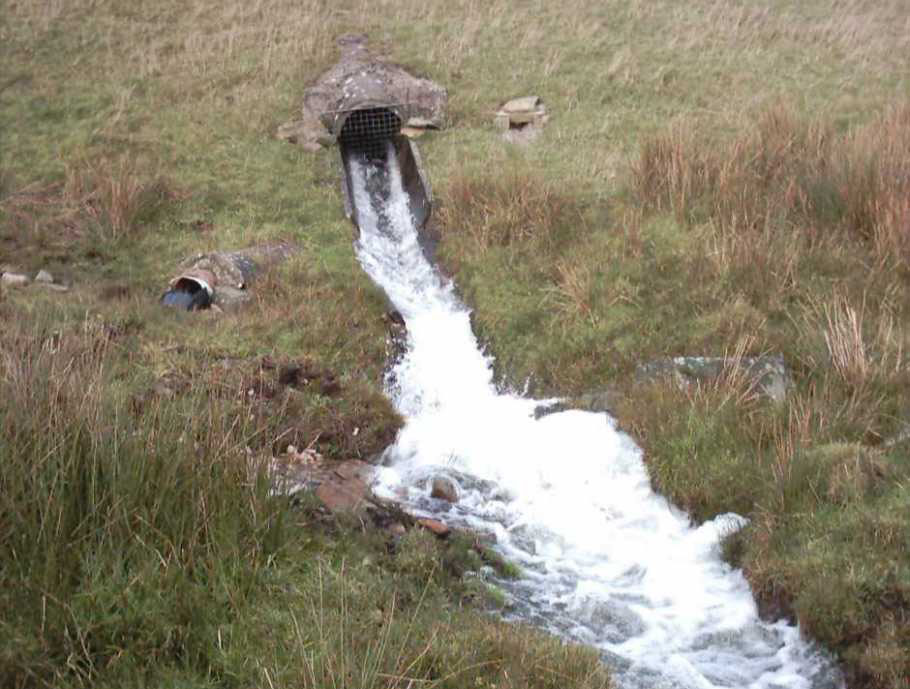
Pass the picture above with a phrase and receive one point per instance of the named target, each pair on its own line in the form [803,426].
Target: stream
[605,561]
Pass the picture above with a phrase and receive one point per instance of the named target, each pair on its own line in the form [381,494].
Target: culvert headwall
[364,102]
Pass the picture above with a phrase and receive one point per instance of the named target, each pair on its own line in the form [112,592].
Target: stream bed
[605,561]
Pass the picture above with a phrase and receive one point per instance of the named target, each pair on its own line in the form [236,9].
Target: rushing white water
[605,560]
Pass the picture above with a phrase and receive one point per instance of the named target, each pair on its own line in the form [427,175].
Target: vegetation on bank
[809,226]
[141,546]
[715,177]
[785,232]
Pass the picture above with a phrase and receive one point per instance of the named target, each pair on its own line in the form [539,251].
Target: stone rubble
[435,527]
[14,280]
[344,488]
[521,119]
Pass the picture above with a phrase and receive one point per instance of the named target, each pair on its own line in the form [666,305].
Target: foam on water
[605,560]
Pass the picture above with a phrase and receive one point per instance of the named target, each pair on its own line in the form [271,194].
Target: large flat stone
[343,496]
[769,373]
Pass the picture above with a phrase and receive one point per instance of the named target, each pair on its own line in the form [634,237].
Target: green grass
[715,177]
[808,228]
[141,547]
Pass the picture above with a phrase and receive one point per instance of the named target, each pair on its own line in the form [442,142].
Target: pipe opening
[188,294]
[368,131]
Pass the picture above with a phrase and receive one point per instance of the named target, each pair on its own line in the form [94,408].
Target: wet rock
[615,622]
[357,78]
[341,487]
[394,319]
[44,276]
[615,662]
[354,469]
[769,374]
[14,280]
[597,401]
[761,640]
[434,526]
[444,488]
[397,338]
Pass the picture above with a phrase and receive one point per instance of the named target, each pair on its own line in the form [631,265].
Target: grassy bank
[138,542]
[808,226]
[716,177]
[770,218]
[141,547]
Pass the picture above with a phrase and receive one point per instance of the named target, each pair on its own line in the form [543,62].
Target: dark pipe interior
[187,294]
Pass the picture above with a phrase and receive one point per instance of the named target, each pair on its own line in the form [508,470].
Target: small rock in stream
[444,488]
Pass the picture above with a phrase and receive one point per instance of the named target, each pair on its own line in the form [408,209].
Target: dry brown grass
[863,346]
[114,196]
[572,293]
[783,173]
[846,344]
[107,200]
[512,208]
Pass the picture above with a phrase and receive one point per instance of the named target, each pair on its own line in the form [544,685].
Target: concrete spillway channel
[365,133]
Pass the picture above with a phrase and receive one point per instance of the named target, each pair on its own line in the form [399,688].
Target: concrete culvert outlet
[369,107]
[368,131]
[373,133]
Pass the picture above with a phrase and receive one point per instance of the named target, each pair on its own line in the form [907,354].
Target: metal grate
[369,130]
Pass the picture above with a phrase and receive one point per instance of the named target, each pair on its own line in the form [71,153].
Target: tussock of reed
[103,200]
[100,512]
[513,208]
[114,197]
[785,173]
[809,223]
